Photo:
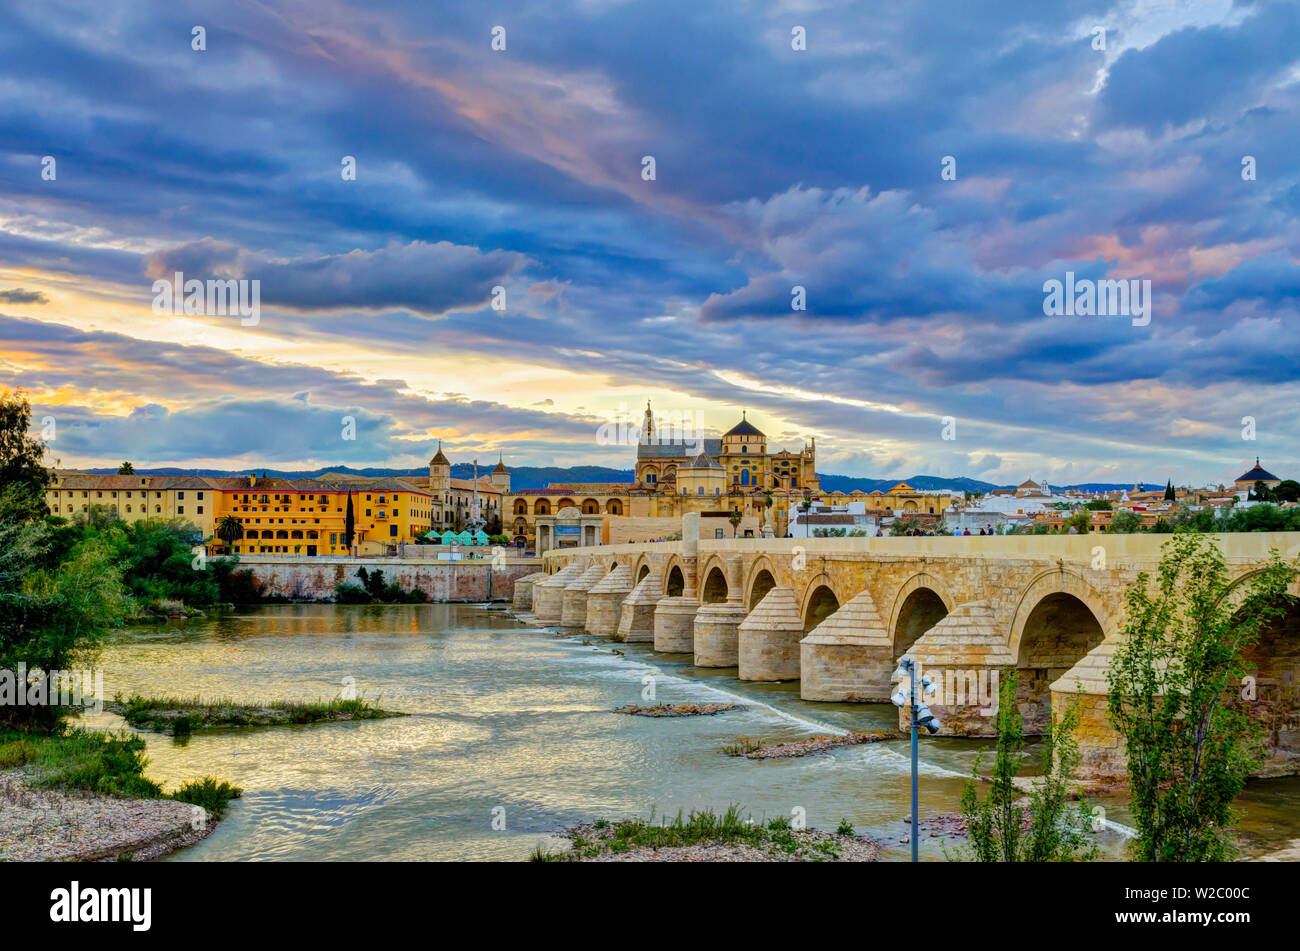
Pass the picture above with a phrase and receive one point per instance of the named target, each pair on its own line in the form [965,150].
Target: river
[510,737]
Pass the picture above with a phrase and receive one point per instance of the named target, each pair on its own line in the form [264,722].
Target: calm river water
[514,722]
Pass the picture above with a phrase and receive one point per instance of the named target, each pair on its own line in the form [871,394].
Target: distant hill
[538,477]
[521,477]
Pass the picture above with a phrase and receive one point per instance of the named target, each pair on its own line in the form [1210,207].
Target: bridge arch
[674,578]
[820,601]
[1238,587]
[714,589]
[1059,619]
[761,579]
[921,603]
[1273,663]
[1054,581]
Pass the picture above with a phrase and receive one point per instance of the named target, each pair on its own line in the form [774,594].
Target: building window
[200,508]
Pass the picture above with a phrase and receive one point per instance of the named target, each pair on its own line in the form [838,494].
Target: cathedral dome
[743,428]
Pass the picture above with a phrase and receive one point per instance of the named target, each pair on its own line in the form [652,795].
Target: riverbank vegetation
[375,590]
[180,716]
[1044,826]
[63,586]
[1181,698]
[708,836]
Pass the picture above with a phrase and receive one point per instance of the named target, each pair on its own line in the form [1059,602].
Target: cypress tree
[349,524]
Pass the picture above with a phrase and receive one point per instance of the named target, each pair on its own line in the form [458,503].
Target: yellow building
[134,497]
[902,499]
[308,516]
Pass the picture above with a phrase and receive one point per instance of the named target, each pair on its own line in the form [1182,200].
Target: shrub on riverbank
[96,762]
[180,716]
[708,836]
[374,589]
[209,793]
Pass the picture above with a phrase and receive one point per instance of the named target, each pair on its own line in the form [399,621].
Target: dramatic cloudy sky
[775,167]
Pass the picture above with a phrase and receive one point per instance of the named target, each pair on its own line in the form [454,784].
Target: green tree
[349,524]
[51,615]
[1169,491]
[229,530]
[1080,521]
[159,562]
[1125,522]
[734,518]
[22,470]
[1262,518]
[1189,746]
[126,469]
[1098,505]
[1007,826]
[1288,490]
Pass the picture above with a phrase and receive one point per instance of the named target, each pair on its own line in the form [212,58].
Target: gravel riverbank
[44,825]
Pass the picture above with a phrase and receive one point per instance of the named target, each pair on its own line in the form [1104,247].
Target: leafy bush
[209,793]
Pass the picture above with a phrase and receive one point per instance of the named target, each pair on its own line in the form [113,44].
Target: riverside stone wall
[315,578]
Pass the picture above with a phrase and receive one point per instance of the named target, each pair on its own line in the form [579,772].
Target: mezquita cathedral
[714,477]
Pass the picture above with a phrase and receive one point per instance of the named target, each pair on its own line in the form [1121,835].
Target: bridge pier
[849,657]
[1101,748]
[573,608]
[964,655]
[605,601]
[769,638]
[717,625]
[675,616]
[636,622]
[523,596]
[548,595]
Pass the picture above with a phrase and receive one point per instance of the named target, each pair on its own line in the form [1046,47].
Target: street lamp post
[921,717]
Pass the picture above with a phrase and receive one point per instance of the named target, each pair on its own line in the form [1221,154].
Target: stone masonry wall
[442,581]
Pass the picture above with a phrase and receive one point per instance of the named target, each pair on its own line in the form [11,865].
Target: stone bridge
[836,614]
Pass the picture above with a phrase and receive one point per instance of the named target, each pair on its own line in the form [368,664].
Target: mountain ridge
[538,477]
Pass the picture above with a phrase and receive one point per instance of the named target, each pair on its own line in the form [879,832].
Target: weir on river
[836,614]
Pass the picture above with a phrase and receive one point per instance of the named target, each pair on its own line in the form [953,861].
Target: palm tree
[734,518]
[126,469]
[229,529]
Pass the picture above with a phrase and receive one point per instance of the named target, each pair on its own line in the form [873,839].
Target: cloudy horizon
[460,243]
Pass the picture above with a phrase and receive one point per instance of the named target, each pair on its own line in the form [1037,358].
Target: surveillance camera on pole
[921,717]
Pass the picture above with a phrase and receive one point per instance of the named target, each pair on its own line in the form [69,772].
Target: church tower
[500,477]
[439,472]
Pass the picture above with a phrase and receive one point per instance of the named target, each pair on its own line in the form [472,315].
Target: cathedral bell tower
[439,472]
